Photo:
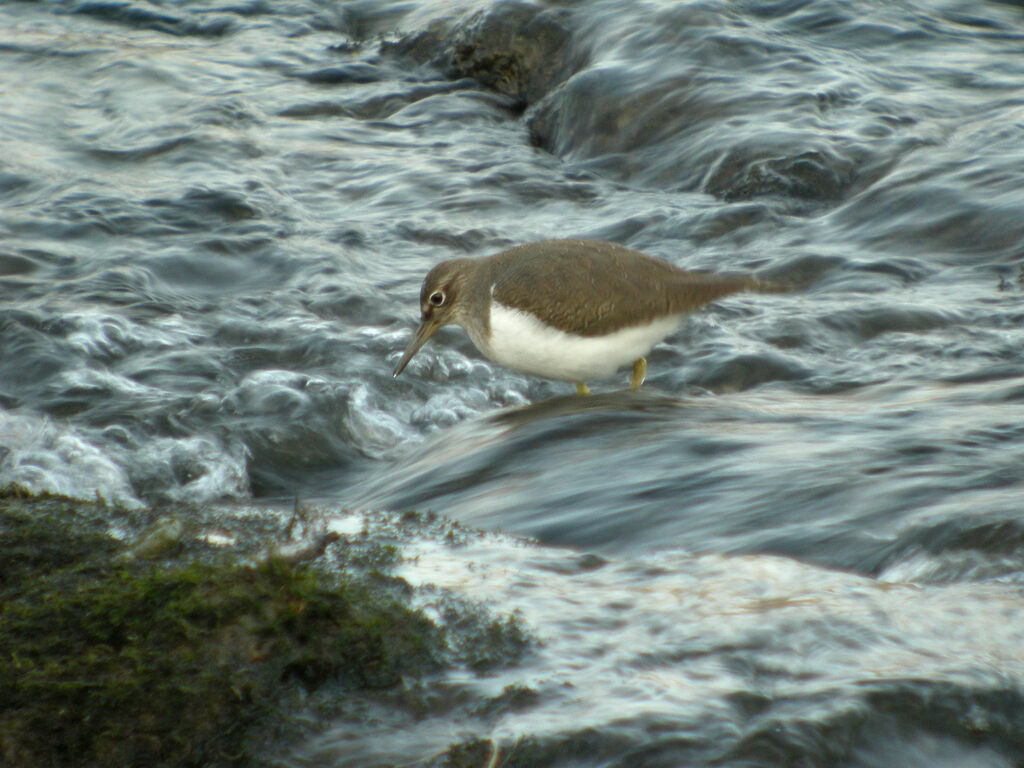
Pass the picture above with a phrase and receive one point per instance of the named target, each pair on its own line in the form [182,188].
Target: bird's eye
[437,298]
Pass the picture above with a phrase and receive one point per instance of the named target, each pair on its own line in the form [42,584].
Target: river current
[800,543]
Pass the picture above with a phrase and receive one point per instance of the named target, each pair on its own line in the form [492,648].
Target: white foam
[376,432]
[46,456]
[192,470]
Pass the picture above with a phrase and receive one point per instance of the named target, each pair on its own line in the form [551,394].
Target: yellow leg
[581,389]
[639,372]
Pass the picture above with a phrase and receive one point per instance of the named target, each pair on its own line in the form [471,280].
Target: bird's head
[439,305]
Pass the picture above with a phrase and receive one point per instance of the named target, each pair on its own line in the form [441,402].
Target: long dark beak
[424,332]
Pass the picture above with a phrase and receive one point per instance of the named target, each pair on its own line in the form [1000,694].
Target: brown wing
[589,287]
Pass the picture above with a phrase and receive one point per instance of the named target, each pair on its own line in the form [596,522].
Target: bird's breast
[521,341]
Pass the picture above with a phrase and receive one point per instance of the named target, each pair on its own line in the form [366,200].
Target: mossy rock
[115,661]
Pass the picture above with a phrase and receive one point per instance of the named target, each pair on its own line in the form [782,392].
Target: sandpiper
[573,310]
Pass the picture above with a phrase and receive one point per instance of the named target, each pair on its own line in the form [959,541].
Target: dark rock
[421,47]
[514,48]
[810,175]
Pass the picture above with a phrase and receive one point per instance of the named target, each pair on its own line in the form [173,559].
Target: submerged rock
[742,174]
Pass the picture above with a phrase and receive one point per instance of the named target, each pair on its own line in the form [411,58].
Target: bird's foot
[639,373]
[581,389]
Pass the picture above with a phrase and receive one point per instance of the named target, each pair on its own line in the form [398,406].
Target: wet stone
[514,48]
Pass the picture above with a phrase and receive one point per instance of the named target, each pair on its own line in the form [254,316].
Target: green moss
[114,661]
[40,533]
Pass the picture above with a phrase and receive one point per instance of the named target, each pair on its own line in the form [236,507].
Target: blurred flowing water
[800,544]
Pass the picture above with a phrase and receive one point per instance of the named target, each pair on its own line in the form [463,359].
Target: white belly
[521,342]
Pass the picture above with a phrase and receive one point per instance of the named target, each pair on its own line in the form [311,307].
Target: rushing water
[801,543]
